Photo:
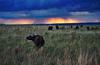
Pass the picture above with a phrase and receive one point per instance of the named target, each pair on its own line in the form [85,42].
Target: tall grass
[62,47]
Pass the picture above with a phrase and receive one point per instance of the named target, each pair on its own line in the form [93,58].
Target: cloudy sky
[49,11]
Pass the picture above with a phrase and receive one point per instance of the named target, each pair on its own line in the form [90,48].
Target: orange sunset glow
[20,21]
[40,21]
[61,20]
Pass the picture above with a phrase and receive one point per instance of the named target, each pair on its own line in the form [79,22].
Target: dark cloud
[49,13]
[48,8]
[70,5]
[36,14]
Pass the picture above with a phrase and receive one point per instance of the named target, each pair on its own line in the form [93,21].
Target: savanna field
[66,46]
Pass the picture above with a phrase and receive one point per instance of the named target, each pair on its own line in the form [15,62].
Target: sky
[49,11]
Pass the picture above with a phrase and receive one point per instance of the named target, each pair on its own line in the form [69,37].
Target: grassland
[63,47]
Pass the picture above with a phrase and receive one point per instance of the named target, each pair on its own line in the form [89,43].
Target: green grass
[62,47]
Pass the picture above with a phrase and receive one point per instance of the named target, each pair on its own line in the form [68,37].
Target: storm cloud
[70,5]
[39,10]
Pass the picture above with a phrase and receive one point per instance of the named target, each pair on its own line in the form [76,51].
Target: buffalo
[37,39]
[88,28]
[50,28]
[57,27]
[77,27]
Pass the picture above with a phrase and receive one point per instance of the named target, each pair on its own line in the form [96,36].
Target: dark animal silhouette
[57,27]
[77,27]
[88,28]
[37,39]
[50,28]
